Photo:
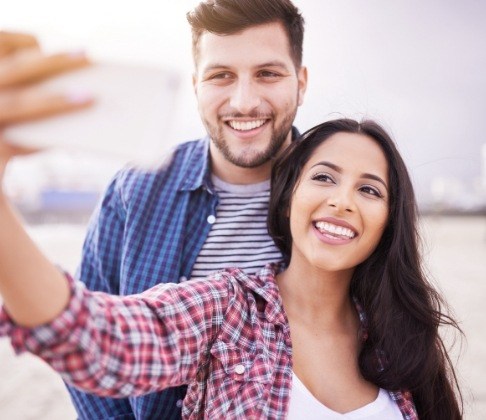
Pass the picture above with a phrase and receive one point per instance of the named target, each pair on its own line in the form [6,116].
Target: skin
[315,287]
[22,65]
[247,78]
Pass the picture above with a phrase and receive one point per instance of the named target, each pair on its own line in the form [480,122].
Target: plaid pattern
[148,229]
[227,337]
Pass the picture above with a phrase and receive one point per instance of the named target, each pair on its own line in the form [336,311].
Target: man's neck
[237,175]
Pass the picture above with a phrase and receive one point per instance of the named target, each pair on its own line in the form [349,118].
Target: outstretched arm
[34,291]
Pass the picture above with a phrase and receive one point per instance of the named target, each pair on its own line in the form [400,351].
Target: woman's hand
[22,66]
[33,290]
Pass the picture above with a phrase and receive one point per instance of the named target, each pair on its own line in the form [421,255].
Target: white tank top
[303,405]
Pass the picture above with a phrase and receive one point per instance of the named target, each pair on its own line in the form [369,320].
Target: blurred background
[417,67]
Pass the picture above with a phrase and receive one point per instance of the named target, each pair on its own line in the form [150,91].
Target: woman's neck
[317,295]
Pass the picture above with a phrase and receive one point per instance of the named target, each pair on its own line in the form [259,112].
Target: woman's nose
[342,200]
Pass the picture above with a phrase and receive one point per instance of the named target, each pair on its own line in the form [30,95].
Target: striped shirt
[239,235]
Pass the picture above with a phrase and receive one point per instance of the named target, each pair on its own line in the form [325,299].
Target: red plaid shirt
[227,337]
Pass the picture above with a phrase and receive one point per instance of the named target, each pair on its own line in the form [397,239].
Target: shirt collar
[264,284]
[195,166]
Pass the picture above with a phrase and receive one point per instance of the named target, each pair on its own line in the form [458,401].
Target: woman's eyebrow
[340,170]
[375,178]
[329,165]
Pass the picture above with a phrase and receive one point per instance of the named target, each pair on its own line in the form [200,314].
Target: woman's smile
[339,208]
[334,231]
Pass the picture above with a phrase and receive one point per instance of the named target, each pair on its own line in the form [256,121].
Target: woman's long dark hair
[403,310]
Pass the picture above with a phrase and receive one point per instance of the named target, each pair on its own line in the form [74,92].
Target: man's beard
[251,159]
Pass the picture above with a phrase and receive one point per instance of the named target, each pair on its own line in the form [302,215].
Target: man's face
[248,91]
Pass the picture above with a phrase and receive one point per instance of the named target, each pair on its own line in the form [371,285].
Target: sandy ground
[455,252]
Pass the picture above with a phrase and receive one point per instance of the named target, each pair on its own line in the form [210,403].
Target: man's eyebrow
[215,66]
[221,66]
[340,170]
[274,63]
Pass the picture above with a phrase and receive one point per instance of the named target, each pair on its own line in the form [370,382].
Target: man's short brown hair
[226,17]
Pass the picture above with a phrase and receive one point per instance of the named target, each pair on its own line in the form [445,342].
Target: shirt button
[239,369]
[182,279]
[179,403]
[211,219]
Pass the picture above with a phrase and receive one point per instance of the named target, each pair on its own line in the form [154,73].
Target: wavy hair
[404,311]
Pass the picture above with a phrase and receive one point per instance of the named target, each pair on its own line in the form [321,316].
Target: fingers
[11,42]
[9,151]
[32,65]
[30,104]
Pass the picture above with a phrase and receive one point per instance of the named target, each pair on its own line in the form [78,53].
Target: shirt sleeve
[118,346]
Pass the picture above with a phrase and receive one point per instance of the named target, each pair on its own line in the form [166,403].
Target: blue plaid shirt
[148,229]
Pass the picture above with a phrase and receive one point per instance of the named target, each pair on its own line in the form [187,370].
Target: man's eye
[220,76]
[268,74]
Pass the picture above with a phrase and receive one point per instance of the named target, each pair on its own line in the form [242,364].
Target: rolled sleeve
[48,335]
[118,346]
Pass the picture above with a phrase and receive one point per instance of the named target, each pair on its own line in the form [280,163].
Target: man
[206,207]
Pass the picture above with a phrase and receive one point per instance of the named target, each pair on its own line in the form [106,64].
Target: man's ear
[194,82]
[302,87]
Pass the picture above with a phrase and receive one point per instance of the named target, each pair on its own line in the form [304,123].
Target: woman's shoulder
[262,282]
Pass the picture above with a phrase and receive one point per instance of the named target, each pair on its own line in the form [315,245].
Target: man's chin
[254,159]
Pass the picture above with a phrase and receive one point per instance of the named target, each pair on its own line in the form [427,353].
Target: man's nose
[245,97]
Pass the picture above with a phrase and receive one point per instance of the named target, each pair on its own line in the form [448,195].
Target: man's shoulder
[182,161]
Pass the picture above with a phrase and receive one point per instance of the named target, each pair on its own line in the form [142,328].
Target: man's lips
[246,125]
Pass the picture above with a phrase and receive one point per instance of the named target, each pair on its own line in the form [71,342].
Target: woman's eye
[371,190]
[322,178]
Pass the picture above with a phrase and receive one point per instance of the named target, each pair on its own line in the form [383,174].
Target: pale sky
[416,66]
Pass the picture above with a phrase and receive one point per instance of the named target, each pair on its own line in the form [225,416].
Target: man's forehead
[256,44]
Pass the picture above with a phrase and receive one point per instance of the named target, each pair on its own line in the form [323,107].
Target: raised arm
[114,346]
[33,290]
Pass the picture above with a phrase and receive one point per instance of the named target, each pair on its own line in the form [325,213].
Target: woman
[346,317]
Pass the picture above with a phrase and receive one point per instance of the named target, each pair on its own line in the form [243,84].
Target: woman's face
[339,208]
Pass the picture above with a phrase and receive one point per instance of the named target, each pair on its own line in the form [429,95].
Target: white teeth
[246,125]
[325,227]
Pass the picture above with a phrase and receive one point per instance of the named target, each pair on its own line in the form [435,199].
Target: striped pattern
[239,235]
